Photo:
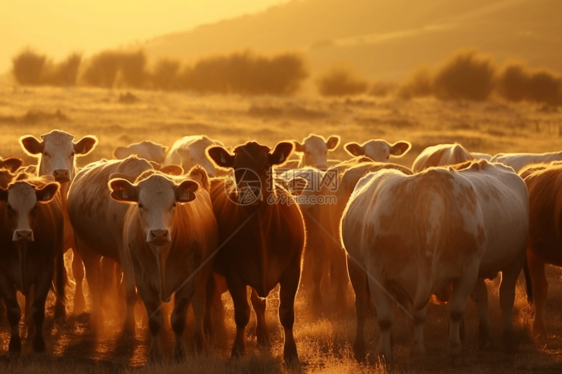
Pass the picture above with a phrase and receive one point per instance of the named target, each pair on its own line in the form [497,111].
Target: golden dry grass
[324,344]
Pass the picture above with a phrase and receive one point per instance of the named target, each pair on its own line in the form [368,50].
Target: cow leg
[339,279]
[385,316]
[179,316]
[78,273]
[480,297]
[241,313]
[359,284]
[155,321]
[42,288]
[13,311]
[507,298]
[28,320]
[540,292]
[60,281]
[289,285]
[261,329]
[214,311]
[419,324]
[129,323]
[94,277]
[462,288]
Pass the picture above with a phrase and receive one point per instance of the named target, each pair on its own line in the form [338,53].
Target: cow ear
[85,145]
[354,149]
[333,142]
[221,157]
[400,148]
[299,147]
[200,174]
[281,153]
[121,153]
[12,163]
[172,170]
[185,192]
[31,145]
[123,191]
[47,193]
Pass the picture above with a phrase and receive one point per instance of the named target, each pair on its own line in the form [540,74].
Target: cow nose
[23,236]
[61,175]
[158,236]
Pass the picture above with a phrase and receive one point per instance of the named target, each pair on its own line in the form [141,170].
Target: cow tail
[528,282]
[60,278]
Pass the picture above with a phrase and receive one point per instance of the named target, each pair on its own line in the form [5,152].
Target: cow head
[252,165]
[11,163]
[57,153]
[315,150]
[157,197]
[378,150]
[147,149]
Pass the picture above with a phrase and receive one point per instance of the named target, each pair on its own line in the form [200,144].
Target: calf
[31,234]
[170,233]
[262,238]
[378,150]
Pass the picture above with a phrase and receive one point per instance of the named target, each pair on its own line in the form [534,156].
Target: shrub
[419,83]
[466,75]
[101,70]
[64,73]
[513,81]
[159,80]
[546,87]
[341,80]
[27,67]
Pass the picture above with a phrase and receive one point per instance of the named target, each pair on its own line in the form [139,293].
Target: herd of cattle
[400,236]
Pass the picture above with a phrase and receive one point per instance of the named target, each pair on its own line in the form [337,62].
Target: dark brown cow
[262,240]
[31,234]
[10,163]
[544,185]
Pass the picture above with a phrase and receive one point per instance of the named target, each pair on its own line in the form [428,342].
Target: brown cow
[10,163]
[170,232]
[57,154]
[544,184]
[262,240]
[31,234]
[98,223]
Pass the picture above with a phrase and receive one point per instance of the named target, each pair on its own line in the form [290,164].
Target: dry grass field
[324,343]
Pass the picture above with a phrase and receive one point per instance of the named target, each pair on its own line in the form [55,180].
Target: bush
[64,73]
[159,80]
[246,73]
[131,69]
[419,83]
[27,67]
[101,70]
[546,87]
[466,75]
[341,80]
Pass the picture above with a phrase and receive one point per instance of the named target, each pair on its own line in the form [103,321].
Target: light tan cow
[441,155]
[146,149]
[544,183]
[481,156]
[519,160]
[98,223]
[57,154]
[437,231]
[378,150]
[190,151]
[314,152]
[170,231]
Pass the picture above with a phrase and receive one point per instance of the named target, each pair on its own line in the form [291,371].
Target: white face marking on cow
[57,153]
[315,150]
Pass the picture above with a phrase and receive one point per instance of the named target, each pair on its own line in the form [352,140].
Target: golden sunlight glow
[59,27]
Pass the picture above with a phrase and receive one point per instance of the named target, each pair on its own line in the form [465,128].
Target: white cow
[57,154]
[314,152]
[189,151]
[519,160]
[146,149]
[441,155]
[170,232]
[378,150]
[481,156]
[441,232]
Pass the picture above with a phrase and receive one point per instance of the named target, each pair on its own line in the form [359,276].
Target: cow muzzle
[61,175]
[158,236]
[23,236]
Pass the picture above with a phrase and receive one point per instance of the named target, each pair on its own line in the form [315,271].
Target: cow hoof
[15,345]
[508,342]
[39,345]
[454,351]
[60,312]
[417,351]
[359,353]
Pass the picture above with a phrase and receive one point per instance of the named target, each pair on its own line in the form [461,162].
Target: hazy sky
[58,27]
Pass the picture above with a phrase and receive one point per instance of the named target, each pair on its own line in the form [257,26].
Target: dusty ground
[324,343]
